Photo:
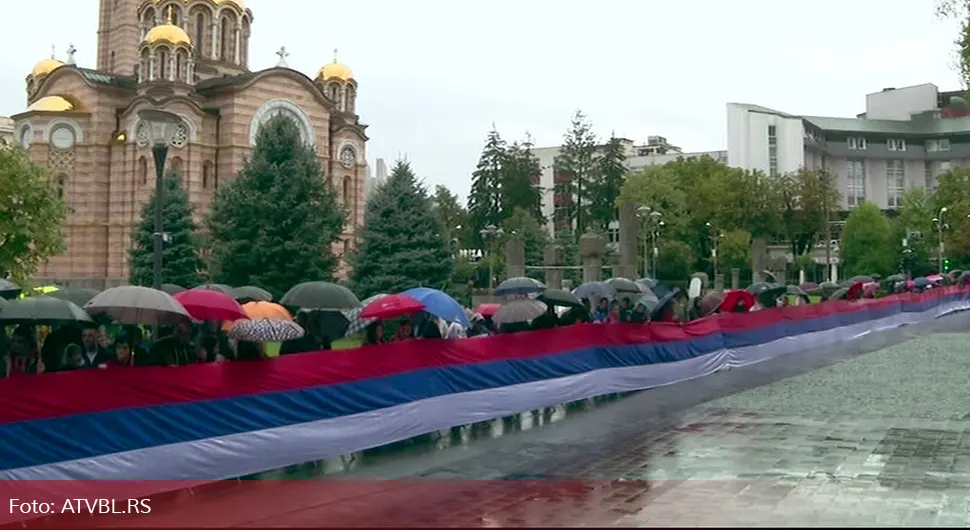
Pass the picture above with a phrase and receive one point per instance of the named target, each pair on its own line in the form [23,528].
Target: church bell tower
[118,36]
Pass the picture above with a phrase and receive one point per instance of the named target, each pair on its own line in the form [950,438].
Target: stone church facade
[188,57]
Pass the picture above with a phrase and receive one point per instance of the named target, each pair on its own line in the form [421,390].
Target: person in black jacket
[307,343]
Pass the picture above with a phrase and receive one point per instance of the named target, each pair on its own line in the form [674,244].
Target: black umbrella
[795,290]
[171,289]
[9,290]
[560,298]
[521,285]
[250,293]
[329,323]
[922,282]
[661,307]
[769,277]
[623,285]
[758,287]
[840,294]
[594,291]
[320,295]
[860,278]
[769,297]
[42,310]
[221,287]
[75,295]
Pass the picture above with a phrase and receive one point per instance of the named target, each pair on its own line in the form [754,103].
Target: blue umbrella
[439,304]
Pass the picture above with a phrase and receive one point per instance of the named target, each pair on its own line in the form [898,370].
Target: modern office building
[657,151]
[906,137]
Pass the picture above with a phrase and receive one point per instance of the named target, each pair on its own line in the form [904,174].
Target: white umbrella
[131,304]
[266,330]
[520,310]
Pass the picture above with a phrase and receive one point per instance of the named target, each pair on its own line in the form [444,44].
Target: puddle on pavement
[443,440]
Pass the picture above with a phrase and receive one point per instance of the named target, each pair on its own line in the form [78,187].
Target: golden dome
[335,70]
[51,104]
[45,67]
[169,33]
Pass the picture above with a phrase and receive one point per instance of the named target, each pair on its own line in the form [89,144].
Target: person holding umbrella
[175,349]
[92,354]
[24,357]
[307,343]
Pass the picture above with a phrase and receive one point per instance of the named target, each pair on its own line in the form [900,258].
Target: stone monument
[627,267]
[514,256]
[553,259]
[592,248]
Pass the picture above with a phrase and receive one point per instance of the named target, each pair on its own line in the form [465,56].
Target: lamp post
[655,236]
[490,234]
[714,237]
[161,126]
[940,225]
[650,221]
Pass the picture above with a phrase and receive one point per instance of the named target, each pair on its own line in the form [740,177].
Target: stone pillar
[554,258]
[236,54]
[151,66]
[719,282]
[759,258]
[215,40]
[514,257]
[735,279]
[592,248]
[628,242]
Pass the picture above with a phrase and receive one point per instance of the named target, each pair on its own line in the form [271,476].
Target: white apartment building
[906,137]
[657,151]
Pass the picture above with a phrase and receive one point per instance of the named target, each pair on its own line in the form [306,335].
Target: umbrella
[935,278]
[355,324]
[895,278]
[131,304]
[921,282]
[594,291]
[255,310]
[649,301]
[769,277]
[869,289]
[77,296]
[519,285]
[827,289]
[649,283]
[623,285]
[560,298]
[737,301]
[795,290]
[203,304]
[810,287]
[487,310]
[439,304]
[172,289]
[862,278]
[328,322]
[769,297]
[320,295]
[854,291]
[392,306]
[841,294]
[711,302]
[964,277]
[9,290]
[759,287]
[220,287]
[658,312]
[523,310]
[42,310]
[266,330]
[250,293]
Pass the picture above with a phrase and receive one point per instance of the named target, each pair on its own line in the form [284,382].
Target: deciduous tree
[181,260]
[274,226]
[451,215]
[867,245]
[31,211]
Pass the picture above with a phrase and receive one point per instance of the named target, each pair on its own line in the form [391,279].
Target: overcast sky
[435,74]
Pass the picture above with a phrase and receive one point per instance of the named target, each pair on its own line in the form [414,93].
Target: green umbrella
[250,293]
[42,310]
[75,295]
[320,295]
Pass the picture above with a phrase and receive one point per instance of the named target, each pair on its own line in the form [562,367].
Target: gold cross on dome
[335,55]
[53,49]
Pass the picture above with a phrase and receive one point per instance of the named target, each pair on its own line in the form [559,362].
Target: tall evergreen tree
[451,215]
[275,224]
[401,243]
[605,186]
[485,197]
[576,164]
[519,170]
[181,260]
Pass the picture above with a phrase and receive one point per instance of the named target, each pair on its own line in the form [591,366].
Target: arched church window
[61,183]
[161,64]
[179,64]
[225,32]
[334,92]
[143,170]
[200,33]
[176,166]
[346,190]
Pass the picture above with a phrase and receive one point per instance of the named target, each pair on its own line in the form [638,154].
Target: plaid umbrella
[358,324]
[266,330]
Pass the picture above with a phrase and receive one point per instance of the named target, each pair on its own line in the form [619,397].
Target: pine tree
[485,197]
[275,224]
[451,215]
[519,169]
[605,186]
[401,244]
[181,260]
[577,165]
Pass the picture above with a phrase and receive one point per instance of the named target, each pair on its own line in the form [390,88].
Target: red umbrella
[487,310]
[855,291]
[203,304]
[395,305]
[737,301]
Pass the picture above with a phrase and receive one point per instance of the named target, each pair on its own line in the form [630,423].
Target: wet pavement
[873,432]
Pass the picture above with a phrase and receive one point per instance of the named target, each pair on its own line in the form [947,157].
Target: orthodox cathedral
[191,58]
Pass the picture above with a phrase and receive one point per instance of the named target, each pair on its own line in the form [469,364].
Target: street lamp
[161,128]
[491,234]
[940,226]
[714,237]
[650,219]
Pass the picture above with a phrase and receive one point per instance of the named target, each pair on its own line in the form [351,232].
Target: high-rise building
[191,59]
[906,137]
